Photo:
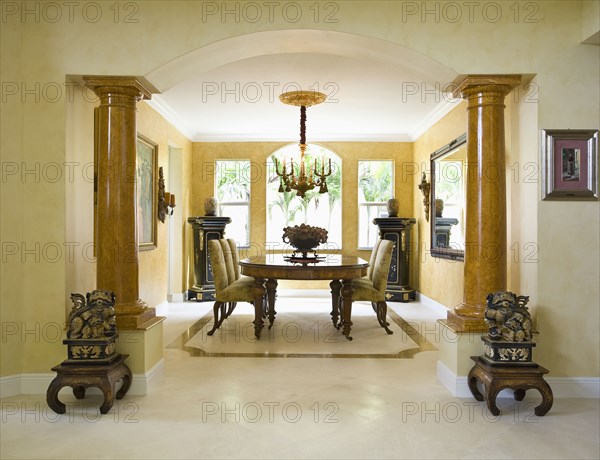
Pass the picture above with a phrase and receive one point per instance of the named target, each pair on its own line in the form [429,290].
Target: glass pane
[375,187]
[318,209]
[375,181]
[238,228]
[368,232]
[232,181]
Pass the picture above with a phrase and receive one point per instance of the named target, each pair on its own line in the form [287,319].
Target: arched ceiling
[228,91]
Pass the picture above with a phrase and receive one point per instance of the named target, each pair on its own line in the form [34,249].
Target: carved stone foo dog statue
[508,317]
[92,326]
[92,317]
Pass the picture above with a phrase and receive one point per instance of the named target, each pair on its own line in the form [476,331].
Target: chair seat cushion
[364,290]
[238,291]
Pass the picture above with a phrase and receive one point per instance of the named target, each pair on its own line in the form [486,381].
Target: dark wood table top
[332,266]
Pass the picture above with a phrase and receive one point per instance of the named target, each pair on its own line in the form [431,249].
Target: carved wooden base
[81,376]
[201,295]
[517,378]
[406,294]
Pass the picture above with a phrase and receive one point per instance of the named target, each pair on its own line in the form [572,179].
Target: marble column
[485,233]
[116,231]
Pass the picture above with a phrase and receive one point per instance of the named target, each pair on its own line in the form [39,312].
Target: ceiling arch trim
[419,67]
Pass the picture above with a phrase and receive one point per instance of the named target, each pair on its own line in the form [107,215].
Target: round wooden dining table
[267,269]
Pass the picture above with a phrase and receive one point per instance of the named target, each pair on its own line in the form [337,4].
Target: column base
[467,318]
[135,321]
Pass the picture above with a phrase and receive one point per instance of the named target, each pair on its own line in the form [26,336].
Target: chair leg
[265,306]
[341,310]
[218,310]
[375,307]
[231,307]
[381,315]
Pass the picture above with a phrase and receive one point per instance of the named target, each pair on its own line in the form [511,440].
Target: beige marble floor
[285,407]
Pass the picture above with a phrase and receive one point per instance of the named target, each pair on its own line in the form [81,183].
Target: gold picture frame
[146,193]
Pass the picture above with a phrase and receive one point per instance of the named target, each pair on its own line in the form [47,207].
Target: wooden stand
[516,377]
[82,375]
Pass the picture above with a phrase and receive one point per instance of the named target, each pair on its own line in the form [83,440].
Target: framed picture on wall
[146,192]
[570,164]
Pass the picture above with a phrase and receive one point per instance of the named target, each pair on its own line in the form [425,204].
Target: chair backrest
[218,266]
[235,258]
[228,256]
[382,264]
[372,260]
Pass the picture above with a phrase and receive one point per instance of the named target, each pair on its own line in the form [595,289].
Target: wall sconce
[166,200]
[425,187]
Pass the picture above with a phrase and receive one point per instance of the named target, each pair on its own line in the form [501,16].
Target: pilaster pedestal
[205,229]
[398,229]
[485,229]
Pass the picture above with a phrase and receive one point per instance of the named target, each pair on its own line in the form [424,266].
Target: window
[316,209]
[375,187]
[232,189]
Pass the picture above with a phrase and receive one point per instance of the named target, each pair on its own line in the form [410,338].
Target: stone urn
[392,207]
[210,206]
[439,207]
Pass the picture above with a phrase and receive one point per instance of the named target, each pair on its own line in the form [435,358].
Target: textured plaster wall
[439,279]
[154,264]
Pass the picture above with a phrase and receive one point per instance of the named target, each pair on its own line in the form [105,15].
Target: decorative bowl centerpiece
[304,239]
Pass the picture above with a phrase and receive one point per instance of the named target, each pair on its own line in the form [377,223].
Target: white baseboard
[142,384]
[437,307]
[177,297]
[35,384]
[457,386]
[562,387]
[10,386]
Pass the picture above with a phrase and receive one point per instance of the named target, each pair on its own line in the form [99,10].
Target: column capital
[132,86]
[467,85]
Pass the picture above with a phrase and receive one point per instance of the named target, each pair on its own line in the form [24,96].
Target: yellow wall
[154,263]
[34,130]
[438,279]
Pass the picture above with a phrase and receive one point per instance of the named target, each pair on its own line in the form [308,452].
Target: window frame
[220,204]
[339,159]
[372,203]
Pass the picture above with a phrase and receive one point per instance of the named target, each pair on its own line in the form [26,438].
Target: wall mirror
[448,199]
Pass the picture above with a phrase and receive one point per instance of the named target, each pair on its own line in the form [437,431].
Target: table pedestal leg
[271,285]
[347,308]
[335,286]
[259,295]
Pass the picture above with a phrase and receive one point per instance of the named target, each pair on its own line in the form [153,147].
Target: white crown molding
[439,112]
[269,137]
[158,104]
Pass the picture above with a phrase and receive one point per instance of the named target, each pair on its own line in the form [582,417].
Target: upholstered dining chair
[369,274]
[373,289]
[230,286]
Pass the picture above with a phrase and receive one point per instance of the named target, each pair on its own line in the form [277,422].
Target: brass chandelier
[302,182]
